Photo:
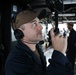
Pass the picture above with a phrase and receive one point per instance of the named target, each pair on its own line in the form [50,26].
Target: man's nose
[40,26]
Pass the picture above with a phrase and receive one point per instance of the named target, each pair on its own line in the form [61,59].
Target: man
[27,57]
[71,50]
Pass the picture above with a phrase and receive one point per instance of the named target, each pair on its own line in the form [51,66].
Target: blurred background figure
[71,49]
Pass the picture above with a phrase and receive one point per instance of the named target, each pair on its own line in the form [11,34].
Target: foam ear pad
[18,34]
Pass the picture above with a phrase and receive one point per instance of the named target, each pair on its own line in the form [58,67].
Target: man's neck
[31,46]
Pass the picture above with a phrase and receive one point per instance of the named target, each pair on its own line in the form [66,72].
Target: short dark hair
[70,23]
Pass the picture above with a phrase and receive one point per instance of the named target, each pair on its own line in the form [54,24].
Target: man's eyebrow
[32,21]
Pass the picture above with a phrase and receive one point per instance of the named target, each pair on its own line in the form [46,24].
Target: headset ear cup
[18,34]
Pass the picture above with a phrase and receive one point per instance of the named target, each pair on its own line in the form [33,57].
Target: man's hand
[59,42]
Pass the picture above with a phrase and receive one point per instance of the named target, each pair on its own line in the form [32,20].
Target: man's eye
[34,24]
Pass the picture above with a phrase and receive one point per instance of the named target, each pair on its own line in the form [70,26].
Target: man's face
[33,31]
[69,27]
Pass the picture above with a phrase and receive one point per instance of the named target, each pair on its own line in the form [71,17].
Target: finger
[59,35]
[64,38]
[52,32]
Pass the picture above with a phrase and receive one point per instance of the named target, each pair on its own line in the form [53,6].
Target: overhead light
[66,14]
[69,2]
[68,21]
[73,14]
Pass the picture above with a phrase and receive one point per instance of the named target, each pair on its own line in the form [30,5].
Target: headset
[18,34]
